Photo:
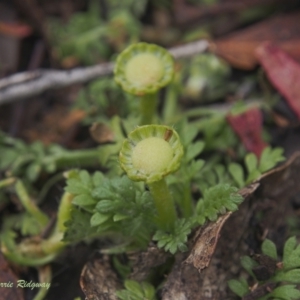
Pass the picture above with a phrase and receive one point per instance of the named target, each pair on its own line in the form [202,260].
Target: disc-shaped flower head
[151,152]
[144,68]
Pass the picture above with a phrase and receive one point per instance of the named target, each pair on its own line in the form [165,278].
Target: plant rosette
[144,69]
[150,153]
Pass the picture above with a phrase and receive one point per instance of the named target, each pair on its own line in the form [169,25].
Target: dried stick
[32,83]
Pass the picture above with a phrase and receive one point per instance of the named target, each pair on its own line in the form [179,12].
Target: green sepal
[141,133]
[163,56]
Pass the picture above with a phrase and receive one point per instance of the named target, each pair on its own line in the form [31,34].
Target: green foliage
[25,223]
[217,134]
[203,2]
[216,200]
[89,38]
[30,161]
[180,182]
[125,205]
[239,287]
[78,226]
[102,99]
[207,78]
[114,205]
[19,159]
[248,264]
[269,158]
[175,240]
[285,277]
[269,248]
[136,291]
[80,184]
[291,254]
[286,292]
[136,7]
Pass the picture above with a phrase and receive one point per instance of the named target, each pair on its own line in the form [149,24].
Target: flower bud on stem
[149,154]
[142,70]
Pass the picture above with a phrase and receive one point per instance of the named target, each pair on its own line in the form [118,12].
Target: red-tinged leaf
[238,48]
[16,30]
[283,72]
[248,126]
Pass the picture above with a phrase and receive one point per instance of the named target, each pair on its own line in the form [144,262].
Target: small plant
[142,69]
[273,279]
[19,159]
[255,168]
[35,250]
[149,154]
[136,291]
[151,186]
[207,78]
[88,38]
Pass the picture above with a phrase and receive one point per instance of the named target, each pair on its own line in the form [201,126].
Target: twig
[32,83]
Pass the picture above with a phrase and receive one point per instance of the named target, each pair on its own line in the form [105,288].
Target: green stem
[7,182]
[164,204]
[31,253]
[29,261]
[29,205]
[45,276]
[148,108]
[84,157]
[187,204]
[170,105]
[48,185]
[64,212]
[54,243]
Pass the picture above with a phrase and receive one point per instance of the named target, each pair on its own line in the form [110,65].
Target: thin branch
[32,83]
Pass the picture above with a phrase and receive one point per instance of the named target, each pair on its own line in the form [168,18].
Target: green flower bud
[144,69]
[151,152]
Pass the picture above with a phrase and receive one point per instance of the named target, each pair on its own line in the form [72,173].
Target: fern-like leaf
[136,291]
[175,240]
[217,200]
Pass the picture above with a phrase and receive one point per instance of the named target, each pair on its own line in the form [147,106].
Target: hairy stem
[7,182]
[148,108]
[54,243]
[29,205]
[45,276]
[166,213]
[84,157]
[187,204]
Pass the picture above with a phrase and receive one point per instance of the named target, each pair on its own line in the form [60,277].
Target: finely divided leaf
[176,240]
[269,158]
[216,200]
[136,291]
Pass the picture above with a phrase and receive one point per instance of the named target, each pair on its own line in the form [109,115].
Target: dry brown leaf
[143,262]
[101,133]
[185,13]
[218,246]
[239,47]
[206,242]
[215,249]
[283,72]
[98,281]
